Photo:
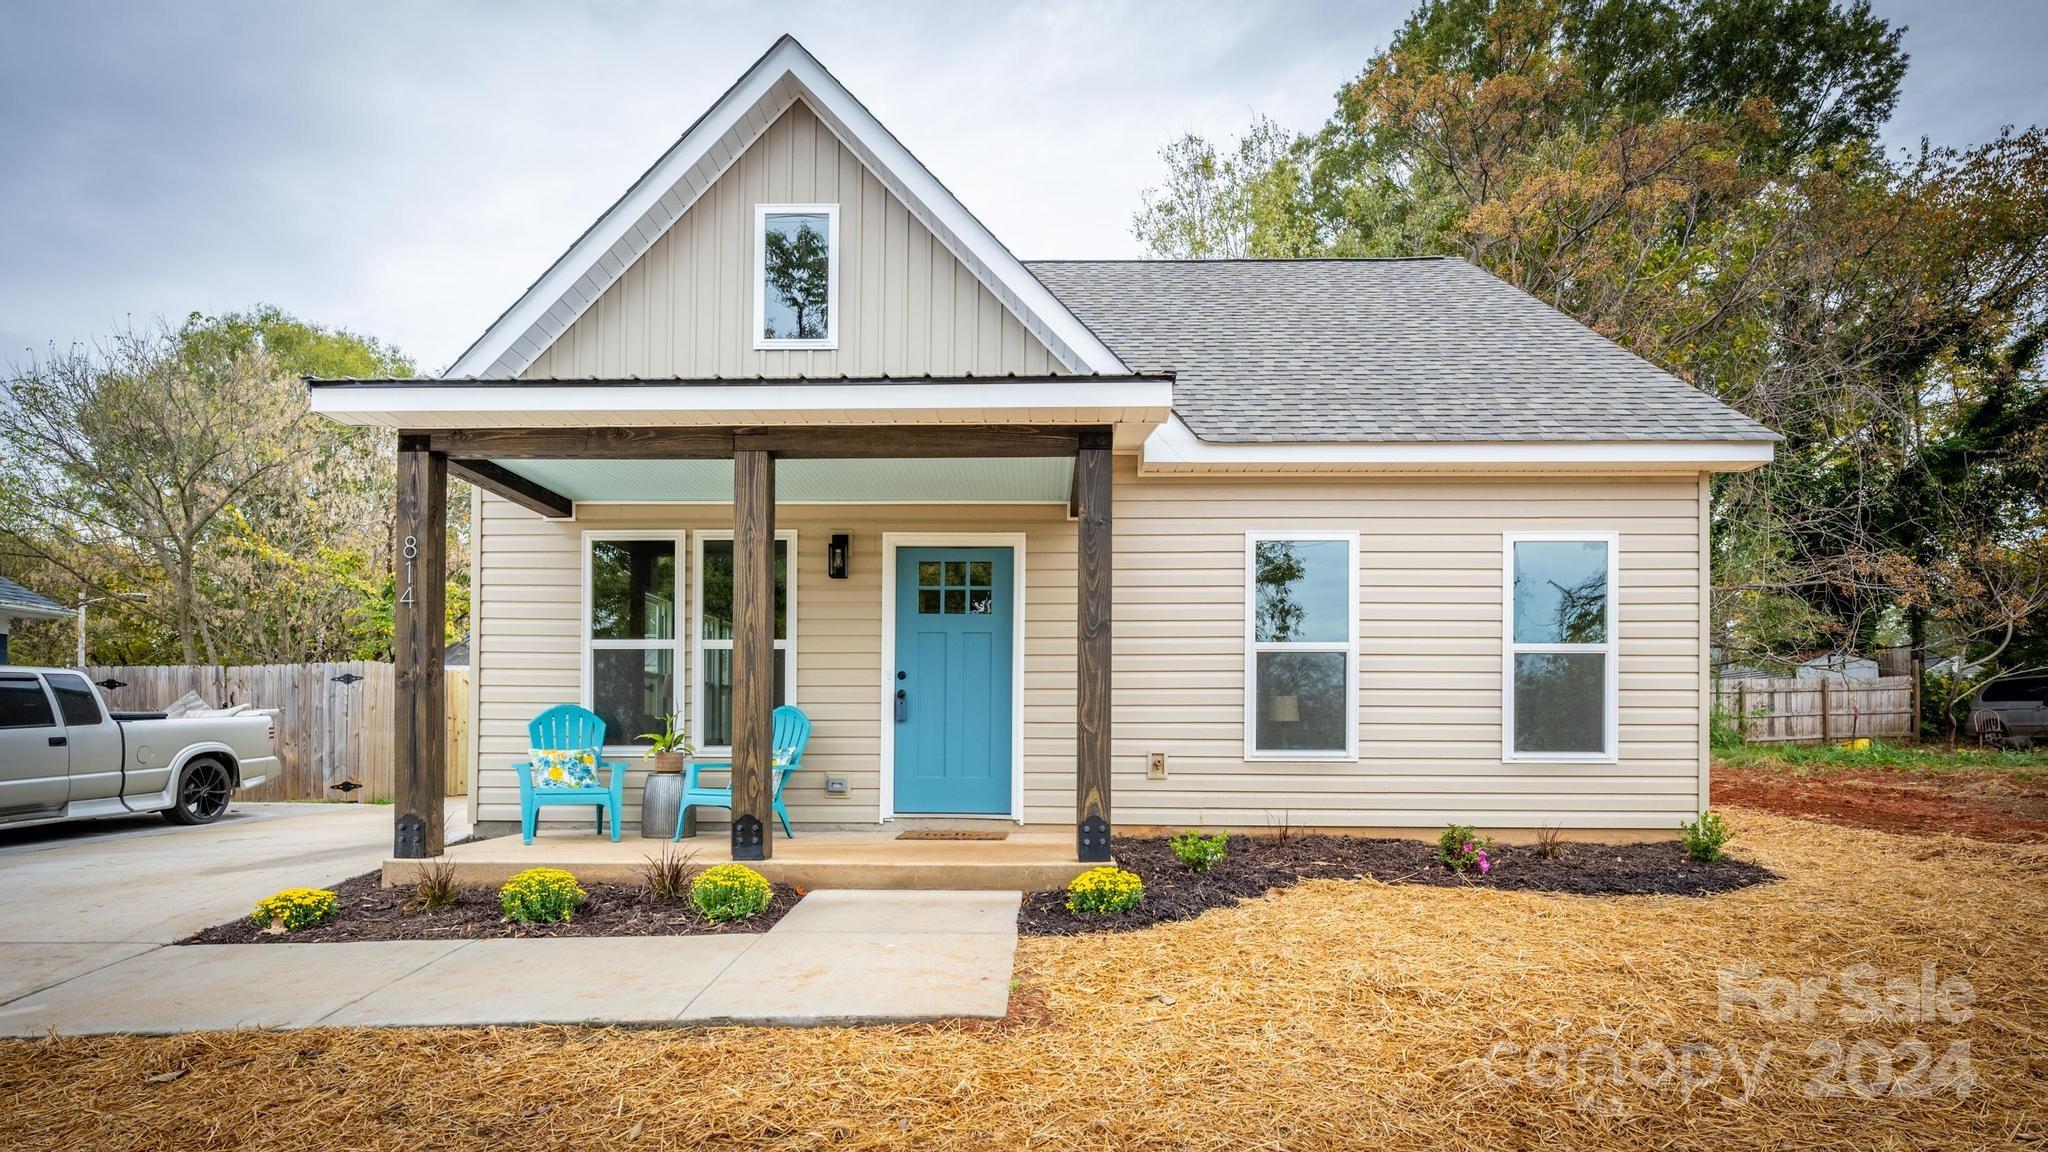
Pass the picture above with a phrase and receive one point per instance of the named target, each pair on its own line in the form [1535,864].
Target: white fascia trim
[632,225]
[1173,447]
[555,291]
[32,612]
[689,403]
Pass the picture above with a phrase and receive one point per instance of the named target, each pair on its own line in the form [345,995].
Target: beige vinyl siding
[686,306]
[1429,636]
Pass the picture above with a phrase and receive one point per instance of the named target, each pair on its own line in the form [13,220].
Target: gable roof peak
[784,74]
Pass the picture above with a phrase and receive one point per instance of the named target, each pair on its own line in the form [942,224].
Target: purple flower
[1468,848]
[1485,865]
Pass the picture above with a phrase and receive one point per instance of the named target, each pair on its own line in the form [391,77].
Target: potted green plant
[667,748]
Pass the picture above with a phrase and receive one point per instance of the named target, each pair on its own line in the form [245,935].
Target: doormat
[948,834]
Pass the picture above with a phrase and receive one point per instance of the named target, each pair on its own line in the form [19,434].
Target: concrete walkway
[839,957]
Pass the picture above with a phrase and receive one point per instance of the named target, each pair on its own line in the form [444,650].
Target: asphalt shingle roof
[13,595]
[1422,349]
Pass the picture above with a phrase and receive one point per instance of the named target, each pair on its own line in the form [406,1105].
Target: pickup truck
[64,756]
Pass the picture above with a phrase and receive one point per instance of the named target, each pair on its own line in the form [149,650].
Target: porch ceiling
[937,481]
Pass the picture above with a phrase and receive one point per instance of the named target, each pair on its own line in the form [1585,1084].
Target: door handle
[58,741]
[902,705]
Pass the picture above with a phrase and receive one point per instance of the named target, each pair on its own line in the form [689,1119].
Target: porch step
[1027,861]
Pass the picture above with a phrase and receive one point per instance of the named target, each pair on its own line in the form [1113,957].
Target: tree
[800,273]
[183,463]
[1699,180]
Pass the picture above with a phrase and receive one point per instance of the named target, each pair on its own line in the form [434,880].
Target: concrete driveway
[76,897]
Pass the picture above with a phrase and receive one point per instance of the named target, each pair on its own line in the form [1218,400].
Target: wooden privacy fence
[334,720]
[1787,710]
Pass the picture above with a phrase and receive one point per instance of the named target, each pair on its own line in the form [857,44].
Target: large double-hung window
[1561,646]
[711,715]
[1301,646]
[632,638]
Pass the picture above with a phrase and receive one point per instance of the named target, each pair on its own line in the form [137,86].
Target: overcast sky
[406,169]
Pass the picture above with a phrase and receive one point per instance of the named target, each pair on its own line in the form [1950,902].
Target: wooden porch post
[1092,711]
[419,642]
[753,650]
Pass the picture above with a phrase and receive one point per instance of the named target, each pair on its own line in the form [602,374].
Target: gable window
[1301,650]
[632,643]
[1558,673]
[796,276]
[711,719]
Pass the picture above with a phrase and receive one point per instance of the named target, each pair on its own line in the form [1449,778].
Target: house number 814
[411,549]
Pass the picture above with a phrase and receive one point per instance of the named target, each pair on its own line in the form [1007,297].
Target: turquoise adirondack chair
[790,730]
[566,727]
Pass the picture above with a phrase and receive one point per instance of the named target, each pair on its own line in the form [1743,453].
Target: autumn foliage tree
[1701,181]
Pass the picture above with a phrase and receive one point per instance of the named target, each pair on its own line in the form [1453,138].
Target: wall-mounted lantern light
[835,555]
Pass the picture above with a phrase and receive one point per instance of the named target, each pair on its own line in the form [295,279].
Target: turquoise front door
[955,617]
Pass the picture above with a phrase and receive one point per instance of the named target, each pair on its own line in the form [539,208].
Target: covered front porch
[650,454]
[1026,860]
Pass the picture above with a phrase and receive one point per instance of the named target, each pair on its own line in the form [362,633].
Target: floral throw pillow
[563,767]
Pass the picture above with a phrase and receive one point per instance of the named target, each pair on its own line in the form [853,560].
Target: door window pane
[1560,592]
[714,696]
[1303,591]
[796,271]
[632,690]
[717,575]
[632,589]
[23,705]
[1560,701]
[1301,701]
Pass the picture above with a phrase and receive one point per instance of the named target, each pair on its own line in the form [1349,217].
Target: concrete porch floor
[1029,860]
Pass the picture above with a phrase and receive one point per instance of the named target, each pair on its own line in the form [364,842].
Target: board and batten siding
[686,306]
[1430,605]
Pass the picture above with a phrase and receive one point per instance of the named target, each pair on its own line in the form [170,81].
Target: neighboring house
[1366,544]
[18,603]
[1824,664]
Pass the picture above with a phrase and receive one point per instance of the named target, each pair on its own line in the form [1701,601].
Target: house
[18,603]
[1358,544]
[1820,664]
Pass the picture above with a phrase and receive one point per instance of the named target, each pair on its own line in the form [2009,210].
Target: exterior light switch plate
[835,785]
[1155,768]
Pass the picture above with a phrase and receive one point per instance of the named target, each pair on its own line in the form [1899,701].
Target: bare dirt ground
[1983,805]
[1887,991]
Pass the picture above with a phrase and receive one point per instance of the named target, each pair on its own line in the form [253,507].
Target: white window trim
[1611,727]
[892,542]
[589,645]
[699,645]
[831,214]
[1253,646]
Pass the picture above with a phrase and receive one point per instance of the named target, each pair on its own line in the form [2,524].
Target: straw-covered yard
[1336,1013]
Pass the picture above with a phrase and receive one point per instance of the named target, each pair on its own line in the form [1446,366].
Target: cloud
[407,169]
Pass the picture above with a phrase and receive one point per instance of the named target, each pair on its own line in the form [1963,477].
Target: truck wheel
[203,790]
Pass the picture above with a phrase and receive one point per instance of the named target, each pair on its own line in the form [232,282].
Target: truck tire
[203,790]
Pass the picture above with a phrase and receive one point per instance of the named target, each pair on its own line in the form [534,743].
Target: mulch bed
[1980,805]
[365,910]
[1259,864]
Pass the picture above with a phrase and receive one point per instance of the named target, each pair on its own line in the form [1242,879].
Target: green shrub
[1198,851]
[540,895]
[294,908]
[1705,836]
[1107,890]
[1463,850]
[728,892]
